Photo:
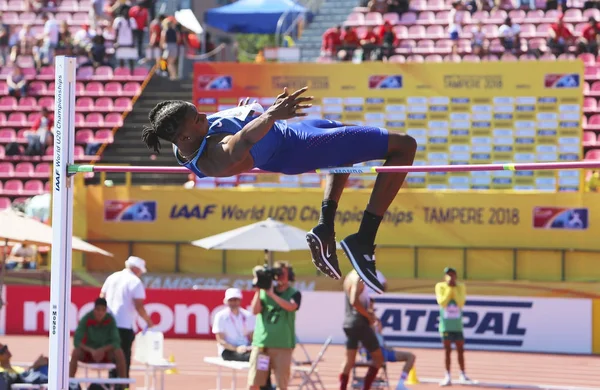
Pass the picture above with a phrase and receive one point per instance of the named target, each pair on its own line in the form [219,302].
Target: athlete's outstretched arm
[286,106]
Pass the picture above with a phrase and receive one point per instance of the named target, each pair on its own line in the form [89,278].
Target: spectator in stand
[560,37]
[4,41]
[97,340]
[155,30]
[124,43]
[96,53]
[169,42]
[49,38]
[398,6]
[456,17]
[349,43]
[24,44]
[83,38]
[388,40]
[510,36]
[332,38]
[479,43]
[40,135]
[590,35]
[97,13]
[369,44]
[380,6]
[140,14]
[17,83]
[65,39]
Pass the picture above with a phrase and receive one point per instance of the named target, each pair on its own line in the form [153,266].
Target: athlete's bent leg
[360,247]
[409,359]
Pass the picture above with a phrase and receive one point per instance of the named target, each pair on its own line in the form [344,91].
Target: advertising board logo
[485,323]
[385,82]
[569,80]
[129,211]
[560,218]
[215,82]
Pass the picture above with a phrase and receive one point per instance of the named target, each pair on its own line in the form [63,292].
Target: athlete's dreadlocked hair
[165,119]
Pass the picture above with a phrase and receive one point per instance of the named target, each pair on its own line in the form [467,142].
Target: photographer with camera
[275,304]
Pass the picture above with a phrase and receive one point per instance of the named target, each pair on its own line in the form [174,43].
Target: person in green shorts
[451,297]
[274,337]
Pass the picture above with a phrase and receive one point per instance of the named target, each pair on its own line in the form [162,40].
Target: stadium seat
[132,88]
[590,155]
[37,88]
[397,59]
[113,89]
[3,88]
[415,58]
[590,105]
[434,58]
[6,170]
[416,32]
[434,32]
[68,6]
[85,73]
[80,17]
[391,17]
[103,73]
[408,18]
[589,138]
[33,187]
[104,104]
[42,170]
[13,187]
[355,19]
[374,19]
[22,135]
[594,122]
[427,17]
[471,58]
[2,152]
[588,59]
[80,120]
[94,120]
[113,120]
[46,73]
[104,136]
[25,61]
[79,152]
[16,119]
[517,16]
[94,88]
[47,186]
[8,103]
[24,169]
[47,102]
[4,202]
[4,72]
[84,136]
[123,104]
[84,104]
[140,73]
[122,74]
[27,103]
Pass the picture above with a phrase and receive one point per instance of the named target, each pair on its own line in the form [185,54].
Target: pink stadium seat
[33,187]
[104,104]
[400,31]
[27,103]
[123,104]
[13,187]
[589,138]
[104,136]
[103,73]
[4,72]
[79,88]
[94,88]
[415,58]
[8,103]
[3,88]
[594,122]
[47,102]
[408,18]
[373,19]
[354,19]
[573,15]
[85,73]
[16,119]
[113,89]
[37,88]
[497,17]
[418,5]
[25,62]
[586,88]
[46,73]
[489,58]
[63,17]
[80,120]
[68,6]
[424,46]
[435,32]
[132,88]
[113,120]
[517,15]
[84,104]
[444,46]
[4,202]
[416,32]
[595,88]
[508,57]
[24,169]
[391,17]
[140,73]
[591,13]
[480,16]
[79,152]
[21,135]
[434,58]
[471,58]
[397,59]
[590,155]
[590,104]
[42,170]
[2,152]
[406,46]
[6,170]
[535,16]
[10,18]
[94,120]
[426,18]
[33,117]
[490,31]
[566,56]
[436,5]
[50,151]
[80,17]
[548,57]
[528,31]
[84,136]
[2,119]
[47,183]
[590,72]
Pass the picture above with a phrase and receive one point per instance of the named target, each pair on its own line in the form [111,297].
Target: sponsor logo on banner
[570,80]
[214,82]
[385,82]
[560,218]
[129,211]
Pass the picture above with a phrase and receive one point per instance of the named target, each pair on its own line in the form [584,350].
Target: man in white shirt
[509,34]
[233,328]
[125,295]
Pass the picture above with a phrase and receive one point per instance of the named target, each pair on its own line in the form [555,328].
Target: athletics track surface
[556,371]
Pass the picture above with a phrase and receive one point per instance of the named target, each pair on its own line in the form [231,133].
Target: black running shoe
[362,258]
[321,241]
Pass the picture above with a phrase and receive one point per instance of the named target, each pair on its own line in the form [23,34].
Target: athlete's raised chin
[192,130]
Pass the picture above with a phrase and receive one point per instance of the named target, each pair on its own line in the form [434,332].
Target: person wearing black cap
[451,297]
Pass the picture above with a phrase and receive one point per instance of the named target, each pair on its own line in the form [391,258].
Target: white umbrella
[17,227]
[268,235]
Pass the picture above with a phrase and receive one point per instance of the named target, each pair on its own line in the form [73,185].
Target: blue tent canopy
[252,16]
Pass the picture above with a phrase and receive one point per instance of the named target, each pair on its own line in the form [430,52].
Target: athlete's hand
[286,105]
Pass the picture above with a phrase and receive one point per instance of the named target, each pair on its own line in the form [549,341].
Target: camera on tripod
[265,275]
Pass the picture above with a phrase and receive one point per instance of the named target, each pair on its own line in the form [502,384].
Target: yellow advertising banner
[459,113]
[416,218]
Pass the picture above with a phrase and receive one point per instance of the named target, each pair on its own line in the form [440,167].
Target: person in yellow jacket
[451,297]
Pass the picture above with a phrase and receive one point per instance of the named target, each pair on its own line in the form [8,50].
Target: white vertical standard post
[62,222]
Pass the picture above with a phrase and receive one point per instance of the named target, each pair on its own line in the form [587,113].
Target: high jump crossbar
[72,169]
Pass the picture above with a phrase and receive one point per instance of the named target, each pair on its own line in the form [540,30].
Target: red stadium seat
[6,170]
[589,138]
[84,136]
[104,104]
[4,202]
[104,136]
[84,104]
[94,120]
[123,104]
[113,89]
[33,187]
[13,187]
[42,170]
[113,120]
[8,103]
[16,119]
[24,169]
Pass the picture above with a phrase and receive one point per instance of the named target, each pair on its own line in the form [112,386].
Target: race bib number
[452,312]
[262,364]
